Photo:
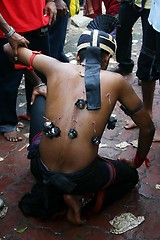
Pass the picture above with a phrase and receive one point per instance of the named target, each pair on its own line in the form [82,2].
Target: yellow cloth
[147,4]
[74,7]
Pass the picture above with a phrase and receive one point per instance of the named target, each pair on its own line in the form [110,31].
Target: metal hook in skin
[51,130]
[72,133]
[80,103]
[96,140]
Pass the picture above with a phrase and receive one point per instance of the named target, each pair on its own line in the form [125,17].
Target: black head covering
[93,40]
[96,38]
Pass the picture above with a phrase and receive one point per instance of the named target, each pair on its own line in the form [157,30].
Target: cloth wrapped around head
[96,38]
[93,41]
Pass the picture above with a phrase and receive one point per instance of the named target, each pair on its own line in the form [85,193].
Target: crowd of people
[63,125]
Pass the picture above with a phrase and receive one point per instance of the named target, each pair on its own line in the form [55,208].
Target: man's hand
[62,8]
[51,10]
[38,91]
[16,41]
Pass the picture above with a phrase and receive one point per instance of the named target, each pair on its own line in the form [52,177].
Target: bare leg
[74,209]
[12,136]
[148,95]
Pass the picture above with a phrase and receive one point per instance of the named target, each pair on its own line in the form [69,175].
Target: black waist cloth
[98,174]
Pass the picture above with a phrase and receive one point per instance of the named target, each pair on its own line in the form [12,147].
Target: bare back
[63,153]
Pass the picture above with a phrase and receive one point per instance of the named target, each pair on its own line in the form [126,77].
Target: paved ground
[15,180]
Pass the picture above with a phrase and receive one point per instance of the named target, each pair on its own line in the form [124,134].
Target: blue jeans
[11,78]
[57,35]
[128,15]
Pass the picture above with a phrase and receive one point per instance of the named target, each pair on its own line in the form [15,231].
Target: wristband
[39,85]
[34,53]
[30,68]
[138,162]
[10,33]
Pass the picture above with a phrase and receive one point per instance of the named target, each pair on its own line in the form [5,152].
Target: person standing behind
[15,40]
[149,61]
[57,32]
[93,8]
[130,11]
[30,19]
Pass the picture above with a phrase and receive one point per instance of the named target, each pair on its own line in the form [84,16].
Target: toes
[12,136]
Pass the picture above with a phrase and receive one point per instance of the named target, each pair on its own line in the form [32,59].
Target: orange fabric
[24,16]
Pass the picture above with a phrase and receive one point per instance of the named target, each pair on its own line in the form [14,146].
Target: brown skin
[65,87]
[74,209]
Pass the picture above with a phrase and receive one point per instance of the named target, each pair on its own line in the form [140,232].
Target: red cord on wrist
[20,66]
[138,162]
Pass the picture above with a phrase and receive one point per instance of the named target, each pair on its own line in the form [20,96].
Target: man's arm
[13,38]
[129,99]
[34,60]
[39,88]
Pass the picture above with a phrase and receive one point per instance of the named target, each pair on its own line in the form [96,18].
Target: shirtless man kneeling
[80,100]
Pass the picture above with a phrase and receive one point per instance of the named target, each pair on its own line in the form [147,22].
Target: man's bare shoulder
[112,77]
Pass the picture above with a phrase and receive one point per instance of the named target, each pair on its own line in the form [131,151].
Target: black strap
[92,78]
[131,112]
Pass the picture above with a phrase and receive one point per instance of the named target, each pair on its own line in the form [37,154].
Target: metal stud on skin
[47,125]
[51,130]
[80,103]
[72,133]
[96,140]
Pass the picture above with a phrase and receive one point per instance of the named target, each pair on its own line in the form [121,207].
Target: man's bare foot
[12,136]
[74,209]
[130,125]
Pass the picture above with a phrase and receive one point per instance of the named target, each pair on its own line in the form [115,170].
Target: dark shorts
[149,58]
[147,67]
